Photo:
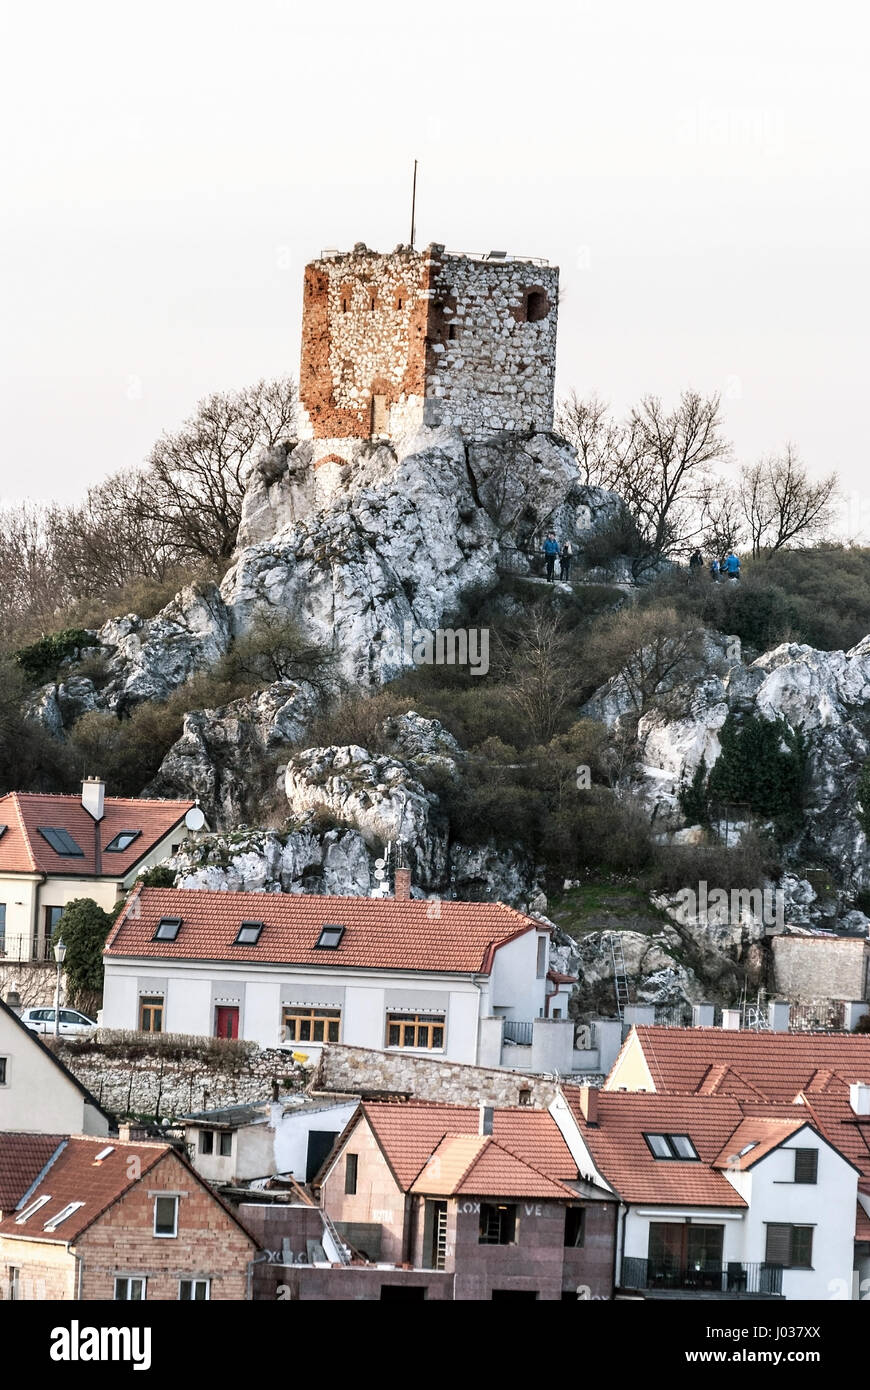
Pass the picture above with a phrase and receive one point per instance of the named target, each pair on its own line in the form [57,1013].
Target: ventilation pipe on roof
[94,796]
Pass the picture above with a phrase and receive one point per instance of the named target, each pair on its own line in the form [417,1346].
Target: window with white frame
[4,1070]
[166,1217]
[194,1290]
[129,1288]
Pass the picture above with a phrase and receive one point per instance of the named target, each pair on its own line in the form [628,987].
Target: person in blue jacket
[551,552]
[732,565]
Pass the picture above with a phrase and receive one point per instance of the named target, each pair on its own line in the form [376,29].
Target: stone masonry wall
[491,350]
[158,1086]
[392,342]
[361,1069]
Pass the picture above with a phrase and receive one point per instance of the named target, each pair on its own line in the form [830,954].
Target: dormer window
[123,840]
[329,938]
[167,929]
[248,934]
[671,1146]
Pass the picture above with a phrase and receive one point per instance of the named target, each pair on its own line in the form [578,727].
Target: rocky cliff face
[824,694]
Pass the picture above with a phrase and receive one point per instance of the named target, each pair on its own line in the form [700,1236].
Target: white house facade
[300,971]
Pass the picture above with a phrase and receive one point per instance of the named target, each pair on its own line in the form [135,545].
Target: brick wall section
[355,1070]
[378,1198]
[209,1243]
[439,339]
[818,968]
[47,1271]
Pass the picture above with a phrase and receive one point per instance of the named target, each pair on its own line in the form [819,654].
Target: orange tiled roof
[764,1133]
[482,1167]
[772,1066]
[22,1159]
[625,1160]
[410,1132]
[74,1177]
[24,850]
[380,933]
[862,1224]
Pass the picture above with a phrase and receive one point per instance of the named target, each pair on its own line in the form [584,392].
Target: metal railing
[24,948]
[734,1277]
[517,1031]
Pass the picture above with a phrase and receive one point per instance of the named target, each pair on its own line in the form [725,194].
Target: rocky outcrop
[824,694]
[306,858]
[221,751]
[148,658]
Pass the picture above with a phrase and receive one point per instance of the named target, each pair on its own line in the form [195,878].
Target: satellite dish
[379,863]
[194,820]
[379,873]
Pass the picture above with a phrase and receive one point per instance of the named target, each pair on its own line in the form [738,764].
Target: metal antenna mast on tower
[414,206]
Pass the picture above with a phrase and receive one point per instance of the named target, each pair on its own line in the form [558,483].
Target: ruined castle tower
[394,342]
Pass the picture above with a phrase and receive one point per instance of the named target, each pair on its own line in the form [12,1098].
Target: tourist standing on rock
[566,555]
[732,566]
[551,550]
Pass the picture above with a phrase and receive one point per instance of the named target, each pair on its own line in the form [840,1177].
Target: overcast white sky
[698,172]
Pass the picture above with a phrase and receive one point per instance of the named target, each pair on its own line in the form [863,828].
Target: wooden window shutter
[806,1165]
[778,1250]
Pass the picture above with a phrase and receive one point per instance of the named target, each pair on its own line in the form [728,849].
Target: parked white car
[71,1022]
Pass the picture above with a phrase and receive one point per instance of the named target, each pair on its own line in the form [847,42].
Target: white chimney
[859,1097]
[703,1015]
[94,796]
[778,1012]
[731,1019]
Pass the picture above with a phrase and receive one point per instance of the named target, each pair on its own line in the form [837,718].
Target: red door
[226,1021]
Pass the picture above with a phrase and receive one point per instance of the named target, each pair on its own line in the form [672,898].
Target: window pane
[120,1290]
[164,1215]
[659,1145]
[683,1145]
[137,1289]
[437,1037]
[184,1290]
[393,1038]
[801,1247]
[226,1145]
[333,1031]
[318,1030]
[201,1294]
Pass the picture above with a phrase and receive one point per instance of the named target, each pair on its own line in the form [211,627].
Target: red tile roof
[380,933]
[772,1066]
[410,1132]
[75,1176]
[862,1224]
[764,1133]
[832,1113]
[24,850]
[482,1167]
[624,1158]
[22,1159]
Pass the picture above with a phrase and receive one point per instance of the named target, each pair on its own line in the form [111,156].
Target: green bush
[41,660]
[84,927]
[762,766]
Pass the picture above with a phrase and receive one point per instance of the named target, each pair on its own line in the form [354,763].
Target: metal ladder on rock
[620,976]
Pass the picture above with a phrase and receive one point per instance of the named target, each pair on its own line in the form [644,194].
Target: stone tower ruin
[394,342]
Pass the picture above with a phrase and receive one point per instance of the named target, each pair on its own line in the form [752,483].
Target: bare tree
[722,518]
[601,442]
[539,669]
[652,650]
[668,466]
[781,504]
[197,474]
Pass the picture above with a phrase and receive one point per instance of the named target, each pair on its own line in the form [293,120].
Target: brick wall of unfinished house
[209,1243]
[378,1200]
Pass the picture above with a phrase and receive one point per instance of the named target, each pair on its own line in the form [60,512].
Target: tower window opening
[537,306]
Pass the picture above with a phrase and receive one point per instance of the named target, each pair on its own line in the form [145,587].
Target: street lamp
[60,957]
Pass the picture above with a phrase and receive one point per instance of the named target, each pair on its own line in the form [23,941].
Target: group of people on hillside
[553,551]
[730,566]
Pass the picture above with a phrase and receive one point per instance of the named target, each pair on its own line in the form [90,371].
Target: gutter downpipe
[619,1245]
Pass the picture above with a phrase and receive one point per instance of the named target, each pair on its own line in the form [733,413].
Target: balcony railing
[734,1277]
[14,949]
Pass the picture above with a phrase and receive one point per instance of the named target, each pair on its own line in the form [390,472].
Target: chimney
[859,1097]
[731,1019]
[778,1013]
[402,883]
[589,1105]
[703,1015]
[93,796]
[486,1116]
